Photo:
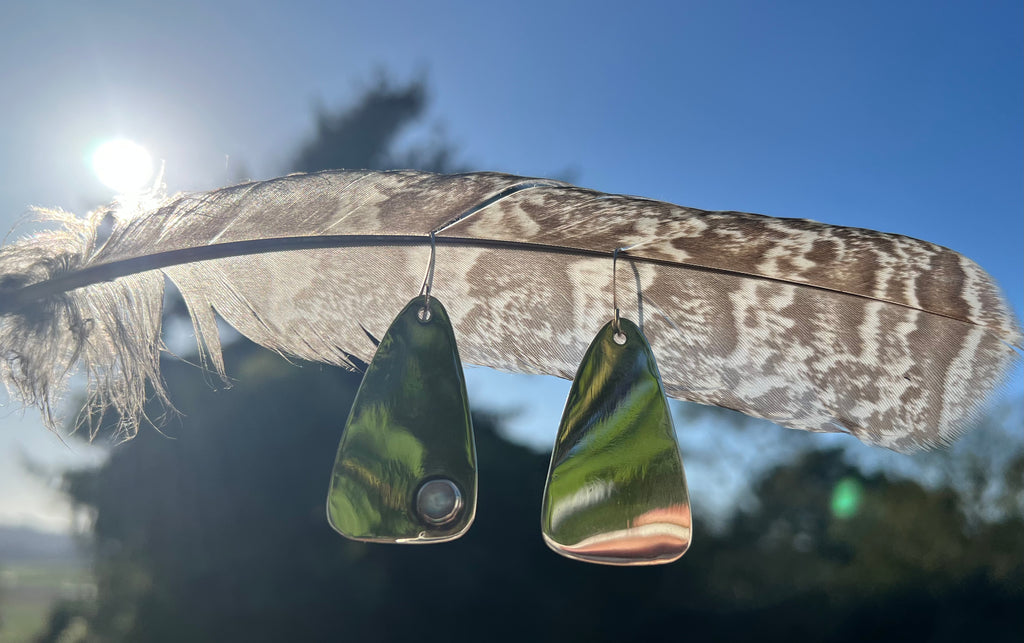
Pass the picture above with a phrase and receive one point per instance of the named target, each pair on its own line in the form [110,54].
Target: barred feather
[817,327]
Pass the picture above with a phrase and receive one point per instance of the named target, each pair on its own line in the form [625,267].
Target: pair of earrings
[406,467]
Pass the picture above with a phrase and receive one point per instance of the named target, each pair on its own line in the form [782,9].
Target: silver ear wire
[428,278]
[619,337]
[428,282]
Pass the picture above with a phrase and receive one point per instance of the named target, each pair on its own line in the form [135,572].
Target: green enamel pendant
[406,466]
[616,492]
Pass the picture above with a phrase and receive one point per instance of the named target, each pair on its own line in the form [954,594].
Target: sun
[123,165]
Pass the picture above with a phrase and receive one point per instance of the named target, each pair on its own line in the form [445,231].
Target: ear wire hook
[619,336]
[428,282]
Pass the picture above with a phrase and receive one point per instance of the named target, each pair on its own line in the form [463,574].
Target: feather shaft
[12,300]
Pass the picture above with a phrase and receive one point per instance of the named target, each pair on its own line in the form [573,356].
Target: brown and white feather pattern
[813,326]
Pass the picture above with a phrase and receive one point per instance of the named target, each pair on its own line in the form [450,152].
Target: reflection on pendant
[406,466]
[616,492]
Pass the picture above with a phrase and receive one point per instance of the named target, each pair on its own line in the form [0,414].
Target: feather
[816,327]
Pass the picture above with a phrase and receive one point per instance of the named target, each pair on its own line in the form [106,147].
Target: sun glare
[122,165]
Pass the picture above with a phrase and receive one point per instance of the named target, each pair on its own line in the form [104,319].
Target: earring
[616,492]
[406,466]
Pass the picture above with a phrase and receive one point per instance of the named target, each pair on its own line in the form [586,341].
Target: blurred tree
[219,534]
[363,136]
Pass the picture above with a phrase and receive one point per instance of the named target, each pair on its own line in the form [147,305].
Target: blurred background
[903,117]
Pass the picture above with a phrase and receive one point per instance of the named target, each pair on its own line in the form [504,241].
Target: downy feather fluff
[812,326]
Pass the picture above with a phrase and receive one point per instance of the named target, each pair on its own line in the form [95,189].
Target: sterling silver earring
[406,466]
[616,492]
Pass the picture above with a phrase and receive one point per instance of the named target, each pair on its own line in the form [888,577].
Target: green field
[27,590]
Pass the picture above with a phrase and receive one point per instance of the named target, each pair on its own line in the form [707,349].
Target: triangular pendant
[406,466]
[616,492]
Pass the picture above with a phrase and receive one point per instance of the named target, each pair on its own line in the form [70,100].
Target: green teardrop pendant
[406,466]
[616,492]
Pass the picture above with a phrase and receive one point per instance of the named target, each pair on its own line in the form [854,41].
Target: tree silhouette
[363,136]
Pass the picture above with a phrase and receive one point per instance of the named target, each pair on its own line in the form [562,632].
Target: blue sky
[904,117]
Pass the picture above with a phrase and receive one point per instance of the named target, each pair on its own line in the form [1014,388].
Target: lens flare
[122,165]
[846,498]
